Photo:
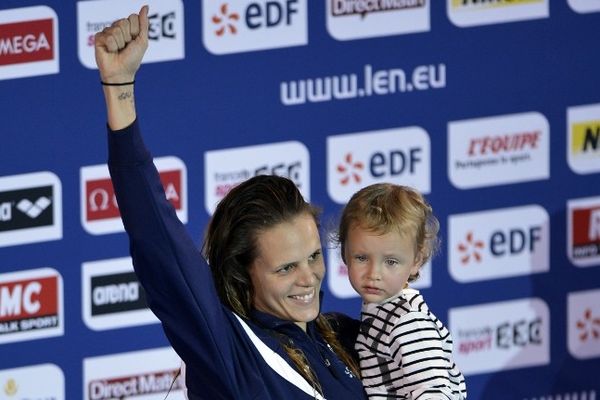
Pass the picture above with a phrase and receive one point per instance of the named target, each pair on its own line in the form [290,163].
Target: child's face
[379,265]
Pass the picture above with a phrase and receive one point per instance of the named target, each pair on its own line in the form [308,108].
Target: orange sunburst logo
[225,20]
[470,249]
[350,170]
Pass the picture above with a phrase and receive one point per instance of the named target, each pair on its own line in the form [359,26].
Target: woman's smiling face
[287,273]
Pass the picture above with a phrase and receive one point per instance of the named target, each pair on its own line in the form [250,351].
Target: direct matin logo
[357,19]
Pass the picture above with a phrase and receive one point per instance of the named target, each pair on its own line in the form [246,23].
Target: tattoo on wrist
[125,95]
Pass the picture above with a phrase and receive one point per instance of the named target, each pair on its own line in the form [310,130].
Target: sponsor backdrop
[491,108]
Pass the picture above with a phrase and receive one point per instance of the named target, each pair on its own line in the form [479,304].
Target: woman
[249,326]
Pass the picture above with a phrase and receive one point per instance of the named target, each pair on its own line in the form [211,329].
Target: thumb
[144,22]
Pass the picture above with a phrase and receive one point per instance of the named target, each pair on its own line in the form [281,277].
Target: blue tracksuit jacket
[226,358]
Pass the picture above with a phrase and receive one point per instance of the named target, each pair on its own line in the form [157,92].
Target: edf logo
[499,243]
[233,27]
[355,160]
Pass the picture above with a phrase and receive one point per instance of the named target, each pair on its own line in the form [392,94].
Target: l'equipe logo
[498,150]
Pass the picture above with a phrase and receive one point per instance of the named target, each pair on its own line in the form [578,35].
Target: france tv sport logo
[250,25]
[357,19]
[99,208]
[466,13]
[499,243]
[399,155]
[165,31]
[30,208]
[28,42]
[500,336]
[226,168]
[31,305]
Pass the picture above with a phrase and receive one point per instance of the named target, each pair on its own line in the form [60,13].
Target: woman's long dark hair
[230,247]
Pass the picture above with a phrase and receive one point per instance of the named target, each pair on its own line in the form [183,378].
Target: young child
[387,232]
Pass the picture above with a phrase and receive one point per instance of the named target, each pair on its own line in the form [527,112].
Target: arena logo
[31,305]
[337,275]
[355,19]
[225,169]
[99,208]
[400,155]
[501,336]
[112,297]
[584,6]
[34,382]
[28,42]
[133,374]
[30,208]
[583,246]
[583,141]
[499,243]
[465,13]
[583,330]
[233,27]
[165,30]
[498,150]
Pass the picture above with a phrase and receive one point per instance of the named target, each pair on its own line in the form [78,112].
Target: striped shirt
[405,352]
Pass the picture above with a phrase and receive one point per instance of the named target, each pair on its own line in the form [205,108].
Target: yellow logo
[585,137]
[491,3]
[10,388]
